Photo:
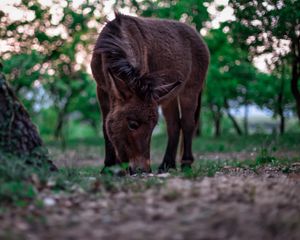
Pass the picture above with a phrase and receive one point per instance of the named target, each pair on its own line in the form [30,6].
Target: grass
[17,179]
[232,143]
[22,188]
[20,185]
[209,168]
[225,143]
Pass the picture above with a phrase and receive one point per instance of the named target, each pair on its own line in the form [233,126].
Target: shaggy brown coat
[139,64]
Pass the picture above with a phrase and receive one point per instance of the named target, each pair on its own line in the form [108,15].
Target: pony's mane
[112,44]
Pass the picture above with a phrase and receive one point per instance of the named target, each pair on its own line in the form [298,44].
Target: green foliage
[279,19]
[273,92]
[190,11]
[271,27]
[42,61]
[230,72]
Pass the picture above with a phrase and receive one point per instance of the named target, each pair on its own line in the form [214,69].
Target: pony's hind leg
[171,114]
[190,108]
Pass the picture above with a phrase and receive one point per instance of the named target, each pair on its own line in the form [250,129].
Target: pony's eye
[133,125]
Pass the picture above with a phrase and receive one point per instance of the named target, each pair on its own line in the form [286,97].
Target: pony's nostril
[135,170]
[131,171]
[139,166]
[138,170]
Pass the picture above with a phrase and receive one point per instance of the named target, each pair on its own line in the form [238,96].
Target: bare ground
[89,156]
[234,204]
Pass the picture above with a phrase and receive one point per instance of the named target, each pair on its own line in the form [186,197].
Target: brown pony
[139,64]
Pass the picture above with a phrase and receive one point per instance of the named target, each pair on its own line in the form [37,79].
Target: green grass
[17,179]
[226,143]
[232,143]
[210,167]
[20,184]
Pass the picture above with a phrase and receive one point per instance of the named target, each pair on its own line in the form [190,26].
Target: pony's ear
[164,91]
[164,84]
[119,87]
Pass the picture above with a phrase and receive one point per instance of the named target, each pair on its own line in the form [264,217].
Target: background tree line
[47,54]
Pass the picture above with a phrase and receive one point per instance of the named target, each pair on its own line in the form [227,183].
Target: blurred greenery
[46,61]
[48,50]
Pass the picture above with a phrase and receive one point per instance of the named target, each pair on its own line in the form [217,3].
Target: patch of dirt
[235,204]
[244,155]
[93,157]
[77,157]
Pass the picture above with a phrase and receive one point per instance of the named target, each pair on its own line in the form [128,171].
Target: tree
[190,11]
[271,91]
[47,52]
[86,104]
[272,27]
[229,77]
[20,69]
[18,135]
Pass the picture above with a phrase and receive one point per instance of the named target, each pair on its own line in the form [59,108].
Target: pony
[140,64]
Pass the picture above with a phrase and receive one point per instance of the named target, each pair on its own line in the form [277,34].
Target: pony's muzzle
[139,165]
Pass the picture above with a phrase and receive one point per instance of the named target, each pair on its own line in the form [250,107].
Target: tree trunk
[280,103]
[246,116]
[218,126]
[94,126]
[199,127]
[282,124]
[295,78]
[233,120]
[18,135]
[59,125]
[58,132]
[61,119]
[217,117]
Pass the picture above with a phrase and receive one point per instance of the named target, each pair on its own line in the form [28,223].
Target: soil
[234,204]
[89,156]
